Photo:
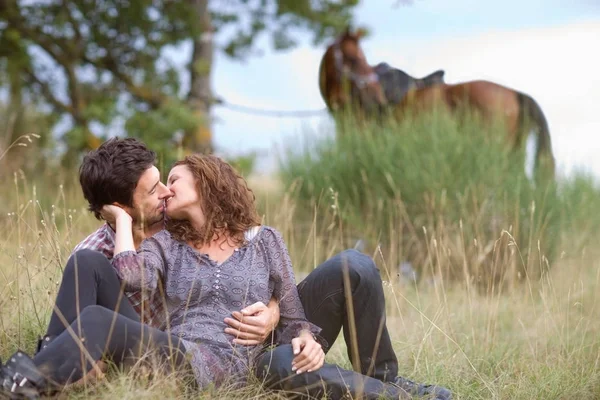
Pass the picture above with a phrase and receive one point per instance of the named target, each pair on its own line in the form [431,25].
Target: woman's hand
[309,356]
[123,223]
[112,213]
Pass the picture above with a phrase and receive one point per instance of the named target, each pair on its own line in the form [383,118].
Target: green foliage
[244,164]
[279,19]
[438,186]
[158,126]
[101,62]
[93,61]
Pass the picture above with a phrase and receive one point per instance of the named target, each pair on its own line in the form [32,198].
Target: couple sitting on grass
[210,291]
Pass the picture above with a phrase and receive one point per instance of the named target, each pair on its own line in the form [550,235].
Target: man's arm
[102,240]
[254,324]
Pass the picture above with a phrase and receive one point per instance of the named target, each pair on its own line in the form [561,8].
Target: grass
[443,192]
[523,336]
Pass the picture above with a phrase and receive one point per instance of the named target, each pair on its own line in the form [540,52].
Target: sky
[545,48]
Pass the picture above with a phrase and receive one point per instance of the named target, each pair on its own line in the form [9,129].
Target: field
[505,304]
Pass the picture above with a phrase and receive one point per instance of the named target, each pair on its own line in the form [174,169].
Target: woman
[214,259]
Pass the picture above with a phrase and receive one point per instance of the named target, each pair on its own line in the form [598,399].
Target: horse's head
[347,77]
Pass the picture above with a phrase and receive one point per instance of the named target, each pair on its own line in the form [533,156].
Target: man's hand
[309,356]
[253,325]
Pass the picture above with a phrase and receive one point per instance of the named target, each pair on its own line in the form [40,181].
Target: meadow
[491,279]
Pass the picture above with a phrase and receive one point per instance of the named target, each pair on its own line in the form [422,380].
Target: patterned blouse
[200,293]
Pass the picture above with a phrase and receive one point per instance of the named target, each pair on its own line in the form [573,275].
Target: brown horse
[347,81]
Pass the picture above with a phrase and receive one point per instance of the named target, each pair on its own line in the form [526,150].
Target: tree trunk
[200,95]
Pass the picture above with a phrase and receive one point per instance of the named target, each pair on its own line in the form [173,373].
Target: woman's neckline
[250,236]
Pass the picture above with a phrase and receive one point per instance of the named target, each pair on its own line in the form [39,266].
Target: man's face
[148,198]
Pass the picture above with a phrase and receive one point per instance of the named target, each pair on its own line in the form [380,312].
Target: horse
[348,82]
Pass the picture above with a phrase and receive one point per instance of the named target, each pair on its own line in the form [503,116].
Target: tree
[97,64]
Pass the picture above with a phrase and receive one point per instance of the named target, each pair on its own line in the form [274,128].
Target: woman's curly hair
[227,202]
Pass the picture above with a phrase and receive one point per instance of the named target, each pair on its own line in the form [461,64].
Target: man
[122,172]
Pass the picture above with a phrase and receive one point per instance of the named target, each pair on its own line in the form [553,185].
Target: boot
[21,379]
[423,390]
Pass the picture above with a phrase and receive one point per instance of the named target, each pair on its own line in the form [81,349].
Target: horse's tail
[531,115]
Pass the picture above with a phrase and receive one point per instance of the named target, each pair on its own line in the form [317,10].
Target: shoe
[43,342]
[423,390]
[20,378]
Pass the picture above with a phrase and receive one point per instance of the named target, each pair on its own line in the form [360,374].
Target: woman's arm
[293,326]
[123,226]
[137,270]
[292,318]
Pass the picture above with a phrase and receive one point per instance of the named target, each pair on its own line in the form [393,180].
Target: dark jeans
[324,300]
[100,332]
[88,279]
[274,368]
[92,305]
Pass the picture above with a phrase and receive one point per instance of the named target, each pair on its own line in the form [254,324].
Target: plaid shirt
[151,309]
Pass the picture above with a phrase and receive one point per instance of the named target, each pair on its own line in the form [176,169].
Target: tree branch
[154,99]
[75,25]
[39,38]
[46,91]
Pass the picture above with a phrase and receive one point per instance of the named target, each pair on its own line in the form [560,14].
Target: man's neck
[153,229]
[140,234]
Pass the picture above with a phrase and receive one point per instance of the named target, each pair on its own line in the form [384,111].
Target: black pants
[324,300]
[88,280]
[97,317]
[274,368]
[89,277]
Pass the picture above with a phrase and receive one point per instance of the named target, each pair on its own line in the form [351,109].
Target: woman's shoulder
[251,233]
[268,234]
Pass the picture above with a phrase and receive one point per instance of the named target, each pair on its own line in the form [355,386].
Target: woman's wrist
[124,235]
[124,217]
[307,333]
[124,222]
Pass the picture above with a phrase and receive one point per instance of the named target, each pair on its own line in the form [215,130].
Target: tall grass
[534,339]
[446,194]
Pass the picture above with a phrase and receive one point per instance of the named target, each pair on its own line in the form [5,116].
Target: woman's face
[185,201]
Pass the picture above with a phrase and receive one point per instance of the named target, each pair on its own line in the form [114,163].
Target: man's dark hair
[110,173]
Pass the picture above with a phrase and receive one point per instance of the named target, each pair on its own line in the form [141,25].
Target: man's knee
[359,267]
[86,260]
[87,256]
[97,314]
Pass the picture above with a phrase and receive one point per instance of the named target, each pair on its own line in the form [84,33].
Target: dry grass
[536,338]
